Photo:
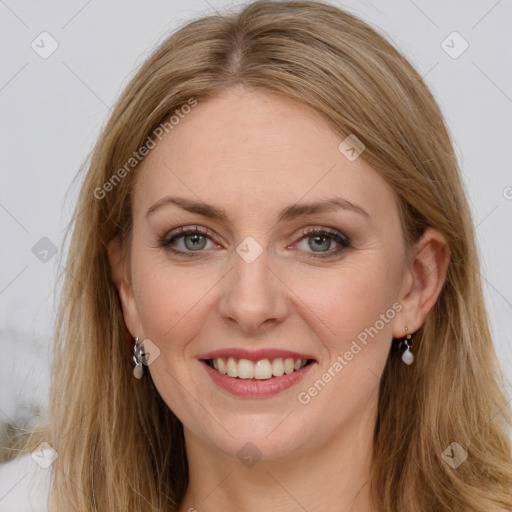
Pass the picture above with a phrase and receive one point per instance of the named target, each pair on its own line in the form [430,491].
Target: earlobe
[124,288]
[425,279]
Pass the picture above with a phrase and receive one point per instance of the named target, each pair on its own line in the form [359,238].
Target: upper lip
[254,355]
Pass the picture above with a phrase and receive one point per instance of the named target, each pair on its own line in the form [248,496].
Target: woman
[274,230]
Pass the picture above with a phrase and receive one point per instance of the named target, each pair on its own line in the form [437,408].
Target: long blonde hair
[119,445]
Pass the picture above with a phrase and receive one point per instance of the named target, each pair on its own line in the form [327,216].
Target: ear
[423,281]
[124,288]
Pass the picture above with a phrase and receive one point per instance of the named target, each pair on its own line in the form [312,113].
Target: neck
[332,475]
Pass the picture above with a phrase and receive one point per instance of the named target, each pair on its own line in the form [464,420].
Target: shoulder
[25,483]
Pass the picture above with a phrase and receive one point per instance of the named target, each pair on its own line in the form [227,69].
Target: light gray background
[52,110]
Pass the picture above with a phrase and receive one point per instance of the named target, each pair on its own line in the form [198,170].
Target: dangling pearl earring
[138,355]
[407,356]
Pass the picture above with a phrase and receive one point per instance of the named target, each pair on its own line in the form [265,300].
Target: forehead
[254,150]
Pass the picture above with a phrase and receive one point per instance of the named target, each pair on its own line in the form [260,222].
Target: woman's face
[258,286]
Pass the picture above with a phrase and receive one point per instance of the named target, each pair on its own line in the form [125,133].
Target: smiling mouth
[263,369]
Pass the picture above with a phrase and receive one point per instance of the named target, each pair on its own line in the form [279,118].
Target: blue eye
[322,239]
[195,239]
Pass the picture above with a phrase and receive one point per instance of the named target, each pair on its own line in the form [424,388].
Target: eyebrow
[286,214]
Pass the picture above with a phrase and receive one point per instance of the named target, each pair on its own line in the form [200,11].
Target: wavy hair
[120,447]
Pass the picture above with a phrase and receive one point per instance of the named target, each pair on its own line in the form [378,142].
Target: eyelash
[342,240]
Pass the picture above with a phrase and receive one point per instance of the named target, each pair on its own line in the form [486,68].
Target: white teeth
[263,369]
[221,364]
[232,368]
[245,369]
[288,365]
[278,367]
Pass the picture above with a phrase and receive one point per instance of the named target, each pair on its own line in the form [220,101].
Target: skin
[253,154]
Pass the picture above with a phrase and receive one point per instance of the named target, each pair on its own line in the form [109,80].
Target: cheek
[169,300]
[357,306]
[351,298]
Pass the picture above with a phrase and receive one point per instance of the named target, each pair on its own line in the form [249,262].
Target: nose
[254,299]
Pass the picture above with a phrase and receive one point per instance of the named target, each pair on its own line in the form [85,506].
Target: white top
[25,482]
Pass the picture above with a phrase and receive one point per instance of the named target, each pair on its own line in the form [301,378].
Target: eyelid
[324,229]
[340,238]
[186,230]
[206,231]
[343,241]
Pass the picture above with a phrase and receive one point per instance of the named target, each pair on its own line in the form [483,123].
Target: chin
[263,437]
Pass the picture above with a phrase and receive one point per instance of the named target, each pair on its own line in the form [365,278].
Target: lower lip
[249,388]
